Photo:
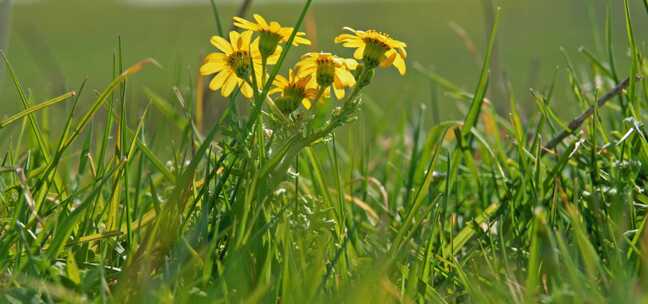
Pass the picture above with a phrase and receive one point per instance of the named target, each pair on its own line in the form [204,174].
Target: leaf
[478,98]
[104,96]
[41,106]
[65,227]
[73,269]
[166,109]
[469,231]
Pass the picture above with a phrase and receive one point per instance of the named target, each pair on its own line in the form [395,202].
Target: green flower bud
[287,104]
[325,74]
[268,42]
[240,63]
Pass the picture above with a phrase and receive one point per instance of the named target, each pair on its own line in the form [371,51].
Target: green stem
[264,66]
[256,110]
[297,143]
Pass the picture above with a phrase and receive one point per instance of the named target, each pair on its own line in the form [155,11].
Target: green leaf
[73,269]
[41,106]
[480,93]
[469,231]
[166,109]
[103,97]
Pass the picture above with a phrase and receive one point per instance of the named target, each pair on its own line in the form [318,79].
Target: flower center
[268,42]
[325,71]
[292,90]
[374,52]
[292,95]
[240,63]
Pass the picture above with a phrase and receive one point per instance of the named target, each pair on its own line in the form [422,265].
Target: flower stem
[294,145]
[256,110]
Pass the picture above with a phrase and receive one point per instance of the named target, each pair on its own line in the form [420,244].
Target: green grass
[72,41]
[99,204]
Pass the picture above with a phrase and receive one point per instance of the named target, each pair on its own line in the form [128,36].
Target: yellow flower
[294,90]
[233,66]
[328,70]
[271,33]
[375,48]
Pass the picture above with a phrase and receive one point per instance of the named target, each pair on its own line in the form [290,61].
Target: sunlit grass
[292,195]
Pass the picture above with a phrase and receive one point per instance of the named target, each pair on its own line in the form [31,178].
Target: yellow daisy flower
[294,90]
[375,48]
[271,33]
[327,70]
[233,66]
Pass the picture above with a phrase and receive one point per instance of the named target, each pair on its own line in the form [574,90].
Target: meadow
[499,157]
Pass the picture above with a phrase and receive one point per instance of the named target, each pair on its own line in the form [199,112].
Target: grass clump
[268,204]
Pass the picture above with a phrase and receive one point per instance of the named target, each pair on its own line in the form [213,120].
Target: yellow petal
[303,81]
[345,77]
[402,52]
[350,63]
[244,24]
[212,67]
[326,94]
[275,57]
[234,40]
[305,71]
[345,37]
[346,28]
[390,56]
[275,27]
[305,64]
[245,39]
[311,93]
[359,52]
[308,56]
[399,63]
[254,47]
[258,73]
[275,90]
[216,57]
[229,85]
[339,88]
[280,81]
[221,44]
[247,90]
[285,33]
[220,79]
[307,103]
[301,40]
[260,20]
[339,93]
[353,44]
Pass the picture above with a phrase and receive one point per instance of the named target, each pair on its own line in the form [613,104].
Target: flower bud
[287,104]
[268,43]
[325,74]
[240,63]
[369,75]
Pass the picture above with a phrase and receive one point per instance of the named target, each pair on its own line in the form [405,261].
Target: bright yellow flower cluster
[293,90]
[235,62]
[271,33]
[327,70]
[242,61]
[375,48]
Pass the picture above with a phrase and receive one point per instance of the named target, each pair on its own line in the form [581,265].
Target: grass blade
[41,106]
[480,92]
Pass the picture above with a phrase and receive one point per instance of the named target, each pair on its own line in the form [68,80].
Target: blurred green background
[55,44]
